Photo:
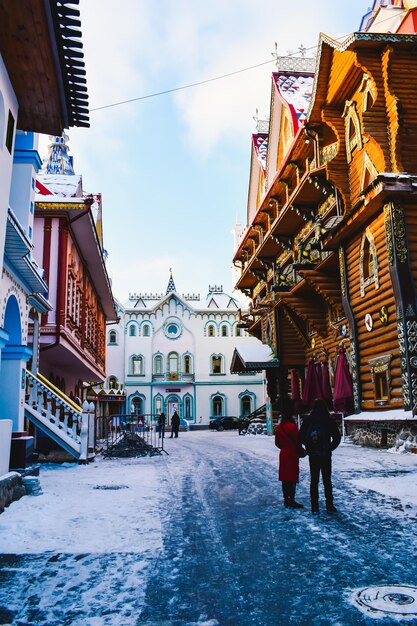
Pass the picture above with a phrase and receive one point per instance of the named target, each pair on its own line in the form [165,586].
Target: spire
[171,284]
[58,160]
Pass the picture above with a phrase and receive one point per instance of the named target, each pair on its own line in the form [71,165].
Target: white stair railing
[63,420]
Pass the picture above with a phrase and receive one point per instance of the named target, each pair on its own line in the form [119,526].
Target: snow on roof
[61,185]
[252,357]
[220,301]
[296,89]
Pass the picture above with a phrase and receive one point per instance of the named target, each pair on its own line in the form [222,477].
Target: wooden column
[353,335]
[405,300]
[46,258]
[61,307]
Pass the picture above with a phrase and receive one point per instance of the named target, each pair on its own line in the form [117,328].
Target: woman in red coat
[286,439]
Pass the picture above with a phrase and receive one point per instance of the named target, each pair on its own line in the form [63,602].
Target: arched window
[353,134]
[187,407]
[136,406]
[158,364]
[211,330]
[368,89]
[112,382]
[187,364]
[158,405]
[146,330]
[112,338]
[217,406]
[136,368]
[245,405]
[173,366]
[225,331]
[368,263]
[132,330]
[369,172]
[216,364]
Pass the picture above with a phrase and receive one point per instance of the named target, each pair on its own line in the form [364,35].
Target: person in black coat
[175,424]
[320,435]
[161,425]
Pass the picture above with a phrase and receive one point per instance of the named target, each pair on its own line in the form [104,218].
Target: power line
[211,80]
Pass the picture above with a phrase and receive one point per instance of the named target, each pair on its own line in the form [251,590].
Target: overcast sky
[173,170]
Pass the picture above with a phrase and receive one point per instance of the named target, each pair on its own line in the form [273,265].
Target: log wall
[382,340]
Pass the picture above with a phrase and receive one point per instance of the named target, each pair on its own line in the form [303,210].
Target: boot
[330,508]
[295,505]
[287,501]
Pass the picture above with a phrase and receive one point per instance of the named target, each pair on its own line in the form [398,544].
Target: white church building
[174,352]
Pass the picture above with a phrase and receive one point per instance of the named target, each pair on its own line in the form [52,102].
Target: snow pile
[406,442]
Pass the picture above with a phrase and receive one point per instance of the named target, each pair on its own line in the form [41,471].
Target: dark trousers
[288,490]
[321,464]
[174,431]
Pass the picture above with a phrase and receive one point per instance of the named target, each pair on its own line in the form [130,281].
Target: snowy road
[201,537]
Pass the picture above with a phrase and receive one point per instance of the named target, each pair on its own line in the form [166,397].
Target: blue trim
[4,337]
[28,156]
[16,353]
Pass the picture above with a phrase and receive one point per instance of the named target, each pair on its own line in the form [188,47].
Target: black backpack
[316,441]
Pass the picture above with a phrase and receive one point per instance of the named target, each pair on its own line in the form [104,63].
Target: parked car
[225,422]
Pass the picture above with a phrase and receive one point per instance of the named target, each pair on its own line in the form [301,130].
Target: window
[225,331]
[210,331]
[381,378]
[238,331]
[132,330]
[173,366]
[146,330]
[158,364]
[369,172]
[112,382]
[136,406]
[10,132]
[136,366]
[217,406]
[112,338]
[368,90]
[187,365]
[353,135]
[368,263]
[172,330]
[158,405]
[246,406]
[216,364]
[187,407]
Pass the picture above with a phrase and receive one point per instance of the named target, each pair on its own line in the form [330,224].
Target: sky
[173,170]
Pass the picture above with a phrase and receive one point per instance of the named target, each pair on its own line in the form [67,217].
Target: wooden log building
[329,254]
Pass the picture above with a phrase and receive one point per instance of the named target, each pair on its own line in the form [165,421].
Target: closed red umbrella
[343,388]
[295,392]
[325,382]
[312,385]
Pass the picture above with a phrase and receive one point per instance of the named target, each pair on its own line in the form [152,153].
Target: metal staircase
[59,417]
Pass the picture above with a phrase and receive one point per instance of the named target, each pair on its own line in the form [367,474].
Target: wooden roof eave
[307,310]
[381,190]
[326,48]
[274,189]
[326,285]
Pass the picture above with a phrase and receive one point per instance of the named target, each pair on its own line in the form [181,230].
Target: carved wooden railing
[59,417]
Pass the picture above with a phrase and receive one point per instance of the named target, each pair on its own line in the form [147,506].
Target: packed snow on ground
[80,511]
[201,537]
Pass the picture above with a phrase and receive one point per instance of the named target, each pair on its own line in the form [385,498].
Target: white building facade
[173,352]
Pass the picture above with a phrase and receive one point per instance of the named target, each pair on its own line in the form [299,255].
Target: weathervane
[302,49]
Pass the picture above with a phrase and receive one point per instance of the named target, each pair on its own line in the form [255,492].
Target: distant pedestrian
[287,440]
[161,426]
[320,436]
[175,424]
